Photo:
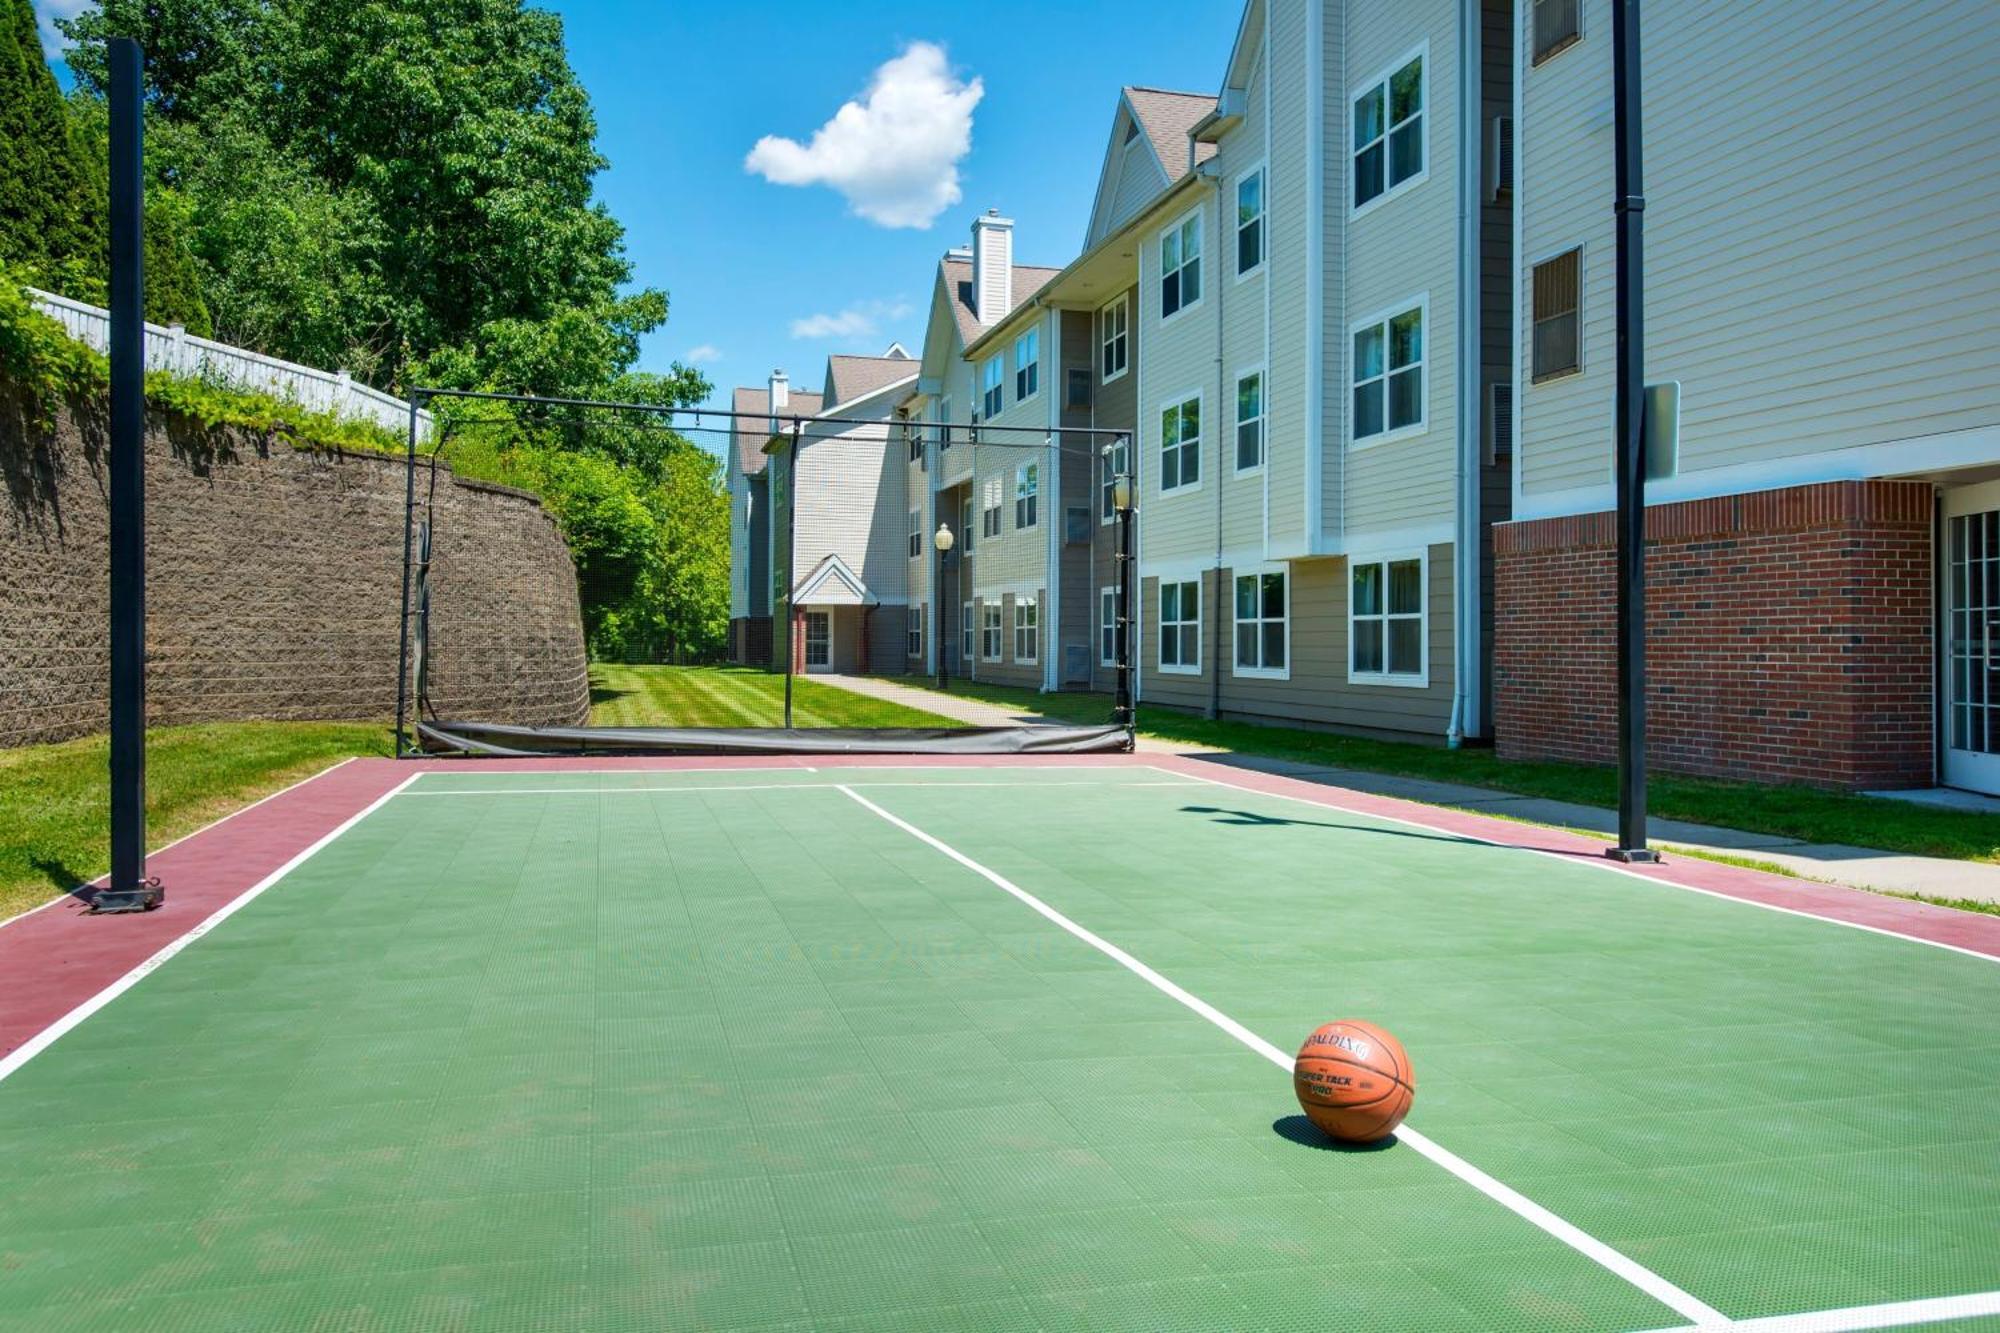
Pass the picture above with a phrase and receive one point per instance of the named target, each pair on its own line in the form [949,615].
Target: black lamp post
[1121,504]
[943,541]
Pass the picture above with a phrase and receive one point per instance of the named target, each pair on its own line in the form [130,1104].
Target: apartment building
[1822,282]
[760,412]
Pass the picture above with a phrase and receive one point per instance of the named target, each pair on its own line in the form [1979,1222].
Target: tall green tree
[46,214]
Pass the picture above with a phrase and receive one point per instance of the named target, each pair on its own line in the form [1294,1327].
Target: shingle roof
[1166,117]
[1028,279]
[749,436]
[853,377]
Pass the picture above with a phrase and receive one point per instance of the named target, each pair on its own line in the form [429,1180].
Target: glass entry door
[1972,638]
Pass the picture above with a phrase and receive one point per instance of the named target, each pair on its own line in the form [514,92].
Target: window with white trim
[1027,364]
[1180,444]
[1114,466]
[1180,265]
[1250,421]
[1114,344]
[1385,615]
[1557,350]
[944,423]
[967,623]
[1262,621]
[1389,133]
[916,625]
[989,516]
[965,525]
[992,388]
[989,631]
[1027,493]
[916,533]
[1250,221]
[1180,625]
[1110,632]
[1389,374]
[1027,629]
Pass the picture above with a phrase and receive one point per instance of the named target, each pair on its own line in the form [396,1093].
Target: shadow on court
[1297,1129]
[1251,819]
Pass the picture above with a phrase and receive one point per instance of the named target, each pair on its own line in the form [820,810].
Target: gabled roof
[956,274]
[852,377]
[832,583]
[747,436]
[1166,117]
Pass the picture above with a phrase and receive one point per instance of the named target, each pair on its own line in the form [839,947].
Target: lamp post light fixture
[1121,505]
[943,541]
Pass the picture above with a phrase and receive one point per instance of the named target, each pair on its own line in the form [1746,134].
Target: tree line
[403,189]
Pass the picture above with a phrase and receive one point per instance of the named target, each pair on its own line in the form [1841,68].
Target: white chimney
[992,266]
[781,396]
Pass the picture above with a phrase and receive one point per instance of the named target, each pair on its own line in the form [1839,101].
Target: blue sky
[684,92]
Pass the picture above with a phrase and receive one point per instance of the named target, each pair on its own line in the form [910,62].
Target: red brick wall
[1789,636]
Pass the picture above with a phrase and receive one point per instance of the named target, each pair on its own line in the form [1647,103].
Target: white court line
[342,763]
[1645,1279]
[1897,1314]
[47,1036]
[761,786]
[1600,863]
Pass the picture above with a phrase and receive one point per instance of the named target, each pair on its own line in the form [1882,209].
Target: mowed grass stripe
[630,696]
[1683,1077]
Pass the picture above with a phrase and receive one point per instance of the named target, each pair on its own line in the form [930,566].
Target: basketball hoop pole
[1629,207]
[792,621]
[128,889]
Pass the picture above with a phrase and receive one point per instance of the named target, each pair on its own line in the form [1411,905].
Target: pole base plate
[1643,856]
[141,897]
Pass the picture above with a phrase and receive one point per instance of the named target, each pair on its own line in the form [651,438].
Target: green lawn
[640,696]
[1796,812]
[55,799]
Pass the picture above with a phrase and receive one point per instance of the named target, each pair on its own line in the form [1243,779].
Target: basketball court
[960,1043]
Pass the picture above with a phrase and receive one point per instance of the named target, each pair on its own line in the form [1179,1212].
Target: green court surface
[761,1050]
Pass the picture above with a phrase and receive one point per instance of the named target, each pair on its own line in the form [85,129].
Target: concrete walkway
[1859,867]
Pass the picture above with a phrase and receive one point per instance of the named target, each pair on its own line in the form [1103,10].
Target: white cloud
[48,11]
[893,154]
[854,322]
[705,354]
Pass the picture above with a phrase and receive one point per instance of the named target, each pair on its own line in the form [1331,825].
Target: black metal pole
[403,643]
[938,642]
[1123,714]
[128,890]
[1629,208]
[790,573]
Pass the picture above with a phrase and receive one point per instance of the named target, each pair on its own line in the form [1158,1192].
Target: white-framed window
[1027,494]
[1250,421]
[967,626]
[1180,265]
[1389,147]
[916,636]
[1027,365]
[1114,465]
[1388,373]
[992,388]
[1027,629]
[989,516]
[1180,444]
[1110,633]
[916,533]
[1263,623]
[1385,621]
[1249,222]
[944,423]
[1113,341]
[1557,297]
[989,631]
[1180,626]
[819,638]
[1558,27]
[967,516]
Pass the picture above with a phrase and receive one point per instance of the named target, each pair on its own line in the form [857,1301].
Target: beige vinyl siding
[1329,208]
[851,503]
[1077,609]
[1291,213]
[1139,179]
[1400,249]
[1177,689]
[956,464]
[1008,671]
[916,489]
[1821,273]
[1018,557]
[1112,407]
[1177,360]
[739,539]
[1243,313]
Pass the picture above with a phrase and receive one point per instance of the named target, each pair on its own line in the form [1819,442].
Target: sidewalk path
[1835,863]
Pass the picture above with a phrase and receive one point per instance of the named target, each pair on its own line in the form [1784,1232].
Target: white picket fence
[176,350]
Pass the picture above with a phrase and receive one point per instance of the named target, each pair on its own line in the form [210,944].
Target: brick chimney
[992,267]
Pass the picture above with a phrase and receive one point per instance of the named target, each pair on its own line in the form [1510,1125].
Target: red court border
[56,958]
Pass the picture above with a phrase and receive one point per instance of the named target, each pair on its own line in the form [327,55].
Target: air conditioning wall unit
[1499,422]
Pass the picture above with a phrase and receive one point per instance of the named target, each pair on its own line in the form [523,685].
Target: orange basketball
[1354,1081]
